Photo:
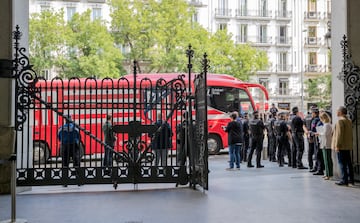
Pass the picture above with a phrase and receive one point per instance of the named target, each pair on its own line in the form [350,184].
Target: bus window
[229,99]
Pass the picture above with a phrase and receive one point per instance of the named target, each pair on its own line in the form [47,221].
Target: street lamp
[302,69]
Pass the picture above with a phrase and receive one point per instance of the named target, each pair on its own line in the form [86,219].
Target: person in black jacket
[235,139]
[257,137]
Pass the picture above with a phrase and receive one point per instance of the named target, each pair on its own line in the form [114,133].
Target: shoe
[229,169]
[250,166]
[326,178]
[259,166]
[65,185]
[312,170]
[341,184]
[302,167]
[280,165]
[318,174]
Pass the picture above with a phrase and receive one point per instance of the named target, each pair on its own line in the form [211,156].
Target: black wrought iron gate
[141,106]
[350,75]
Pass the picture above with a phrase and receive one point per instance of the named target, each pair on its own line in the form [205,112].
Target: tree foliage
[80,47]
[159,32]
[318,90]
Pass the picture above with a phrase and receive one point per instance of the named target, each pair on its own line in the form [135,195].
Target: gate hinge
[6,68]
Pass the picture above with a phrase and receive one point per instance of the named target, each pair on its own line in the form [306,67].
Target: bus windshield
[228,99]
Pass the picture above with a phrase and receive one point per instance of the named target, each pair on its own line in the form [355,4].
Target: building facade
[291,32]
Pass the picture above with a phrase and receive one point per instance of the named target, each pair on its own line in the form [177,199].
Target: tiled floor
[270,194]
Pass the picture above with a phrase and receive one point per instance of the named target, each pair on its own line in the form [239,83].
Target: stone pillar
[6,123]
[13,12]
[338,30]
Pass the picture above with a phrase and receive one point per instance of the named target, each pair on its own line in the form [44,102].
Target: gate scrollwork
[350,76]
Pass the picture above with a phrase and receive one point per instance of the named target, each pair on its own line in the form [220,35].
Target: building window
[283,86]
[312,35]
[264,82]
[96,13]
[282,8]
[262,34]
[195,17]
[263,8]
[242,7]
[70,11]
[311,6]
[282,34]
[282,66]
[223,7]
[242,33]
[222,26]
[312,58]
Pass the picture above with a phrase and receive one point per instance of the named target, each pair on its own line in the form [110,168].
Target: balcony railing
[241,12]
[283,14]
[97,1]
[313,41]
[220,12]
[314,68]
[283,68]
[260,39]
[312,15]
[196,3]
[241,39]
[282,40]
[254,13]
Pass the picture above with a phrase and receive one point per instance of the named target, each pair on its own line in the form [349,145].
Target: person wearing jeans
[342,142]
[235,139]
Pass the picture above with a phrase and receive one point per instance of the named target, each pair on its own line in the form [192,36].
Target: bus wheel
[214,144]
[41,153]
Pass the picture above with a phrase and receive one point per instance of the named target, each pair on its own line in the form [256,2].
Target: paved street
[271,194]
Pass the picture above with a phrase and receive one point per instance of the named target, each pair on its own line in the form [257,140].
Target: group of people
[286,133]
[70,143]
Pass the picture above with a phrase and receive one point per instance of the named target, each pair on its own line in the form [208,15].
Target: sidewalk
[270,194]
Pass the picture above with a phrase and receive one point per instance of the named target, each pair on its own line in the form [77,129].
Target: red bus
[88,101]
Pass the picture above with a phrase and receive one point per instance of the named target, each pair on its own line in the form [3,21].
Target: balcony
[241,12]
[312,16]
[313,42]
[260,40]
[283,41]
[283,68]
[222,13]
[283,15]
[196,3]
[314,68]
[241,39]
[253,14]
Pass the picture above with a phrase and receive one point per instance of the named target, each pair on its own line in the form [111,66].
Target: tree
[80,48]
[318,90]
[239,60]
[92,49]
[47,37]
[160,32]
